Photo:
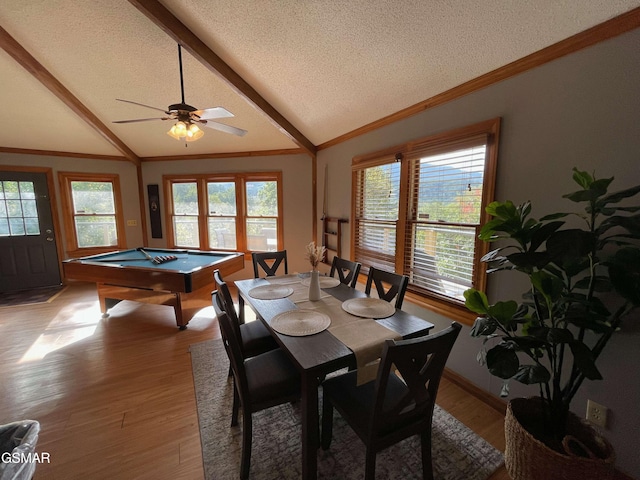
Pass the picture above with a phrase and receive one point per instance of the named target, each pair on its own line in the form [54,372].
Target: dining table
[319,354]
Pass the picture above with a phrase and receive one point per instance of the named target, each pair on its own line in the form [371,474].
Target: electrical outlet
[596,413]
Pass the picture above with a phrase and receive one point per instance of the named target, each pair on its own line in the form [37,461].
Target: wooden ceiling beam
[35,68]
[179,32]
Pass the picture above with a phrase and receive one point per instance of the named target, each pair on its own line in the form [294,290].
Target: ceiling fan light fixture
[182,131]
[178,131]
[193,133]
[188,117]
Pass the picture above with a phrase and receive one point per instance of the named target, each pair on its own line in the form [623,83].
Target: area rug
[29,297]
[458,453]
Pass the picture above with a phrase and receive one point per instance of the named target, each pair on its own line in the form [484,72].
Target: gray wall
[296,190]
[126,172]
[581,110]
[296,179]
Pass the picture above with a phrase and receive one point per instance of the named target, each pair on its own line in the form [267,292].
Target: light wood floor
[115,397]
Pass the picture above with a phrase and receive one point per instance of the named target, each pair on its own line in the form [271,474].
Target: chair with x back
[260,382]
[269,262]
[394,407]
[388,285]
[254,337]
[347,271]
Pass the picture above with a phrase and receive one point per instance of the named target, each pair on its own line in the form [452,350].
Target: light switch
[132,223]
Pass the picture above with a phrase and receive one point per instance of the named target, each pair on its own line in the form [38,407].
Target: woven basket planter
[527,458]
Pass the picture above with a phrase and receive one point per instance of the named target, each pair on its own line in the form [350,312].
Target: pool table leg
[177,307]
[185,305]
[106,303]
[103,306]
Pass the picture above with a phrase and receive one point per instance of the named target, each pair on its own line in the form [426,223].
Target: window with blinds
[444,217]
[376,215]
[418,211]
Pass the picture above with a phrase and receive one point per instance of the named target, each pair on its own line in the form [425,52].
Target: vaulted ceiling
[295,73]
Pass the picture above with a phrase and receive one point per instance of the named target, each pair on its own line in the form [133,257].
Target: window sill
[441,307]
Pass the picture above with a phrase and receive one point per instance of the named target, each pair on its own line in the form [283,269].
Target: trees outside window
[18,210]
[92,212]
[185,214]
[237,212]
[222,215]
[261,221]
[418,208]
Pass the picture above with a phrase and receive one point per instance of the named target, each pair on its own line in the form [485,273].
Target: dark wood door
[28,252]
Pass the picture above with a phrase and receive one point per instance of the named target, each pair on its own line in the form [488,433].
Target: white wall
[581,110]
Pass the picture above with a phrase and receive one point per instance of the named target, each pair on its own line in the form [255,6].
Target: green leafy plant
[583,283]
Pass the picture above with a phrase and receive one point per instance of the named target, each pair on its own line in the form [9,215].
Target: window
[185,214]
[93,209]
[377,210]
[238,212]
[418,209]
[261,220]
[223,212]
[18,210]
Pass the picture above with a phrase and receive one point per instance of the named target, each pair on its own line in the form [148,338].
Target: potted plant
[584,280]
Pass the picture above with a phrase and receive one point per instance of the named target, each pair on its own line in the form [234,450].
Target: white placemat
[368,307]
[283,279]
[299,323]
[325,282]
[270,292]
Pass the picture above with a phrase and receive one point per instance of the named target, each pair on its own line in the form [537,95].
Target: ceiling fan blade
[215,112]
[142,105]
[141,120]
[223,128]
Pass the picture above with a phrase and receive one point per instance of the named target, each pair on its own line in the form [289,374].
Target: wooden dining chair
[269,262]
[388,285]
[260,382]
[394,407]
[254,337]
[347,271]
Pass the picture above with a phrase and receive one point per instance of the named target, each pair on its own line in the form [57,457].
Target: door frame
[53,204]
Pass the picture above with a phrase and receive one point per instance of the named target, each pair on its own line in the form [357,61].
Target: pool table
[184,282]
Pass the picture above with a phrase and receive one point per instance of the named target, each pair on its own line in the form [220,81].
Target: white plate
[299,323]
[270,292]
[325,282]
[368,307]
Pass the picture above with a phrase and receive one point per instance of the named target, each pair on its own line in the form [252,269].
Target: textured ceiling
[328,67]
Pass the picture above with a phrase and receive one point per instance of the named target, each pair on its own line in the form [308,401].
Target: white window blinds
[445,199]
[418,209]
[376,214]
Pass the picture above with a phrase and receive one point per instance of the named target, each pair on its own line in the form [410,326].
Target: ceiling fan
[188,119]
